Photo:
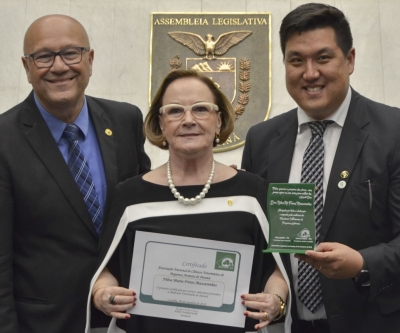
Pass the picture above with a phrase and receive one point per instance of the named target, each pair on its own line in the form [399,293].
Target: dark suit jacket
[369,148]
[48,246]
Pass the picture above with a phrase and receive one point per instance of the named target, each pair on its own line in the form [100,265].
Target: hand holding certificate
[190,279]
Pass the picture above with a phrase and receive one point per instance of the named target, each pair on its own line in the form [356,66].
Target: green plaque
[291,218]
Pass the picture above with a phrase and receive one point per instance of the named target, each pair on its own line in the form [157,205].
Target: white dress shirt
[331,140]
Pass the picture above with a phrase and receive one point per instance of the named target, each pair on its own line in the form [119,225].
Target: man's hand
[334,260]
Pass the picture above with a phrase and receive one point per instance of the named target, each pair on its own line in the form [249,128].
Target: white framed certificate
[190,279]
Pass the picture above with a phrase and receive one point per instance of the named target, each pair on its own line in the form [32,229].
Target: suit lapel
[280,160]
[105,130]
[350,145]
[42,142]
[281,149]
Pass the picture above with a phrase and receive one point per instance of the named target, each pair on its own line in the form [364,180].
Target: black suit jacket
[48,245]
[369,148]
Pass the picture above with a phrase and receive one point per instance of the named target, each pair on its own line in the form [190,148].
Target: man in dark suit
[49,235]
[357,262]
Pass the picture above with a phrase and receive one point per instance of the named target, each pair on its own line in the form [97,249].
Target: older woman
[188,117]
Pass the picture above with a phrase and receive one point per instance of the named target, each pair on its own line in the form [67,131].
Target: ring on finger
[266,316]
[111,299]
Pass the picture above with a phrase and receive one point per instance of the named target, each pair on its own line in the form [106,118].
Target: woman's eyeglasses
[199,110]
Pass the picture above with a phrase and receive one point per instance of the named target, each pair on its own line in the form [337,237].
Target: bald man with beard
[49,236]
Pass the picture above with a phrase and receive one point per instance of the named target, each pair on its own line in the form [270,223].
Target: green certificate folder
[291,218]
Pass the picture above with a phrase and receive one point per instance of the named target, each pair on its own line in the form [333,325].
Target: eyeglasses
[45,59]
[199,110]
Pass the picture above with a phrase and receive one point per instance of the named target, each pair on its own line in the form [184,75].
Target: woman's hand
[267,306]
[114,301]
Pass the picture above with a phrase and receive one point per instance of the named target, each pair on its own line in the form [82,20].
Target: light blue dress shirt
[87,141]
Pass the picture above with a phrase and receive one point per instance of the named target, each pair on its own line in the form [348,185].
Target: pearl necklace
[191,201]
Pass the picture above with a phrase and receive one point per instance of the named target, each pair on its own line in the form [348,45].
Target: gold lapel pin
[344,174]
[108,132]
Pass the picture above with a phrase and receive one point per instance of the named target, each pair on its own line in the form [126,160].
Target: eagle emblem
[209,47]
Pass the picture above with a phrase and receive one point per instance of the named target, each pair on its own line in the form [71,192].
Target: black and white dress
[233,211]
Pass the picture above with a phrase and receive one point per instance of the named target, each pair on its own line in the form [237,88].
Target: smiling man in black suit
[61,154]
[354,274]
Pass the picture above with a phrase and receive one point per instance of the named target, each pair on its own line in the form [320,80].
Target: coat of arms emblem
[237,60]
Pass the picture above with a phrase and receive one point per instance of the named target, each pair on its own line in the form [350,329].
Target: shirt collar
[57,126]
[339,116]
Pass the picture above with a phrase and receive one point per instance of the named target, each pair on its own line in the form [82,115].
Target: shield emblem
[233,49]
[222,71]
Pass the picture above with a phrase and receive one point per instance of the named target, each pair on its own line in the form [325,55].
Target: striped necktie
[309,285]
[81,172]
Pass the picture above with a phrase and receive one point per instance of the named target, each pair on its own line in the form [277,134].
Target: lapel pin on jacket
[344,174]
[342,184]
[108,132]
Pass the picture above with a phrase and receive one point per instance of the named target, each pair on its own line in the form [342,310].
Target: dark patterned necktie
[309,285]
[81,173]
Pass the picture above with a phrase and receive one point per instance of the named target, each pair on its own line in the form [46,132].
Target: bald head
[52,26]
[59,87]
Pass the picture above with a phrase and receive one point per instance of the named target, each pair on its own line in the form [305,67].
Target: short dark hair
[152,125]
[312,16]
